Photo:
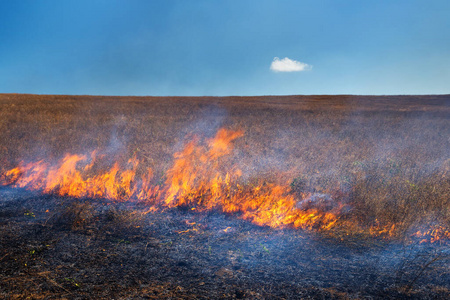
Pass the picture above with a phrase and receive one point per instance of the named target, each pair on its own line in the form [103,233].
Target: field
[229,197]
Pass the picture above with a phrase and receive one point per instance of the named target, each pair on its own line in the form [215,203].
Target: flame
[68,179]
[200,179]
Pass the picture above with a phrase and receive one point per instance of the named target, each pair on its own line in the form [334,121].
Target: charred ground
[387,155]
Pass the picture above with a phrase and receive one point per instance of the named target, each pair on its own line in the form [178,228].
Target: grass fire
[238,197]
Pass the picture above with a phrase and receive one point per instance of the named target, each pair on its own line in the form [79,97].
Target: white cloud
[288,65]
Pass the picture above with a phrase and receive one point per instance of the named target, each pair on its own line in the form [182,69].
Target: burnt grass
[57,248]
[388,156]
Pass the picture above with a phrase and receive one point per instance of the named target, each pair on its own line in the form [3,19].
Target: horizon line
[224,96]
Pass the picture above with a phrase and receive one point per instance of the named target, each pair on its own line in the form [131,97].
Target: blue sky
[219,48]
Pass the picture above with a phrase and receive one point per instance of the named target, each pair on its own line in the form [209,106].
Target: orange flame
[68,179]
[198,179]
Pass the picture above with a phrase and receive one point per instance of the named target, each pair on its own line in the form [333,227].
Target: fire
[201,179]
[196,181]
[68,179]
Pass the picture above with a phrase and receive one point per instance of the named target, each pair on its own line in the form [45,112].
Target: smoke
[203,123]
[118,140]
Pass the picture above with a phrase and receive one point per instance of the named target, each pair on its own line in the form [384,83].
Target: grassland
[387,156]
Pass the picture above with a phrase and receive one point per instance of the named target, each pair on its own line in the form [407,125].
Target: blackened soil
[59,248]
